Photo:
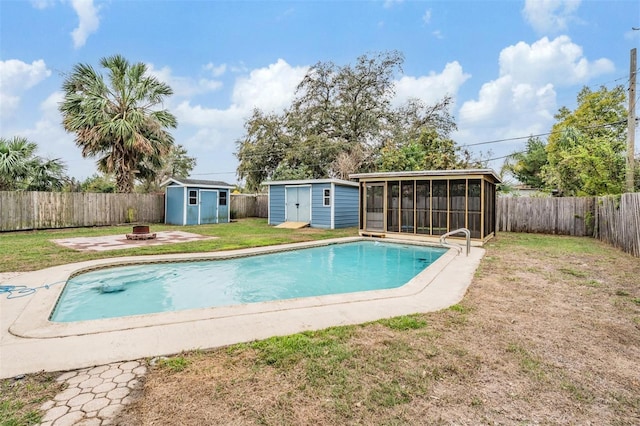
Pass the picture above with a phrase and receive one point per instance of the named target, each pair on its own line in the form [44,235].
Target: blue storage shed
[196,202]
[322,203]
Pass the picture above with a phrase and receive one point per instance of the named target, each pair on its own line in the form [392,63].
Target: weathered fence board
[614,219]
[248,205]
[564,216]
[42,210]
[262,206]
[618,220]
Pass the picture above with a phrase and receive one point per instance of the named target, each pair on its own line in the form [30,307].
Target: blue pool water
[163,287]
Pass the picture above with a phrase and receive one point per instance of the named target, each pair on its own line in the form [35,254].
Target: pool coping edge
[33,321]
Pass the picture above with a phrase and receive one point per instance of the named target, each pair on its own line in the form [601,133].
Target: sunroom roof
[426,173]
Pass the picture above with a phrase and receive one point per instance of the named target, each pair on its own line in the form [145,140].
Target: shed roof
[310,181]
[430,173]
[197,182]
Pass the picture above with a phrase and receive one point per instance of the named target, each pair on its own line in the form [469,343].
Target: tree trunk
[124,182]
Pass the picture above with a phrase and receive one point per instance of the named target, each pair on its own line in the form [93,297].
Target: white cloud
[48,132]
[89,21]
[16,77]
[197,115]
[183,86]
[426,18]
[216,70]
[559,61]
[270,89]
[54,142]
[550,16]
[433,87]
[390,3]
[522,100]
[504,102]
[42,4]
[238,69]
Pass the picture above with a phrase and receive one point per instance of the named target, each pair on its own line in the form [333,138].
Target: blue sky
[510,65]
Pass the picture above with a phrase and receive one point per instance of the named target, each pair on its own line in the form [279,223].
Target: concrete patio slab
[118,242]
[30,343]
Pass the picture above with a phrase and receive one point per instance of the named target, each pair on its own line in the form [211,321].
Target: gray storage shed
[322,203]
[196,202]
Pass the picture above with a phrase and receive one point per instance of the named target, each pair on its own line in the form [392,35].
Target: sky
[509,65]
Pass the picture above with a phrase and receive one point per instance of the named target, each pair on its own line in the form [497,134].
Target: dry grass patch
[548,333]
[21,398]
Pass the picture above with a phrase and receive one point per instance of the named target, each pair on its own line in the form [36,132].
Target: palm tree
[46,175]
[21,169]
[118,120]
[15,160]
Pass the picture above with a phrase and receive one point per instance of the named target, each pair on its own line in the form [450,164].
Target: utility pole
[631,121]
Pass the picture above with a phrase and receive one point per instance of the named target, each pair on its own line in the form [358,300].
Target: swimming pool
[168,287]
[31,342]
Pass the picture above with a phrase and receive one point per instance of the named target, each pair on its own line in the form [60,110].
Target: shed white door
[298,200]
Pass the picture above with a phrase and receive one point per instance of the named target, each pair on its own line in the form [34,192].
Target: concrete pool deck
[30,343]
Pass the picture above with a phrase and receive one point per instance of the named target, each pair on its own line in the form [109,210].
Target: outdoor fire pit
[141,232]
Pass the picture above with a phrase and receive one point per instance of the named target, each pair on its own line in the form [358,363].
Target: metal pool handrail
[464,231]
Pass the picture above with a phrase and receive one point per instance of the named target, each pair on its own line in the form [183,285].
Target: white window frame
[326,197]
[189,198]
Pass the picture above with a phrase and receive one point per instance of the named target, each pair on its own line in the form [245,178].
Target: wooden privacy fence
[618,222]
[565,216]
[42,210]
[249,205]
[613,219]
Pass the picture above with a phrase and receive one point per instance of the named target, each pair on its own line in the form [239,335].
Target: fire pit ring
[141,229]
[141,232]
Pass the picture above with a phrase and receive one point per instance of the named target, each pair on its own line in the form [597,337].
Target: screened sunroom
[427,204]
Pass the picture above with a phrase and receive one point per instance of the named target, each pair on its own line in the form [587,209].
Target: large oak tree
[338,123]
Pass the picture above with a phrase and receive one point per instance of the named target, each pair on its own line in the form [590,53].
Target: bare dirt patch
[548,333]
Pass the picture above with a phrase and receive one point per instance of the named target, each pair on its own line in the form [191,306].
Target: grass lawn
[548,333]
[33,250]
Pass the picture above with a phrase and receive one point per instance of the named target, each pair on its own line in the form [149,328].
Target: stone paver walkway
[94,396]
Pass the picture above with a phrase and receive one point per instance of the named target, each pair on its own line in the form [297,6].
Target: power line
[503,156]
[283,150]
[542,134]
[271,151]
[624,77]
[219,173]
[591,87]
